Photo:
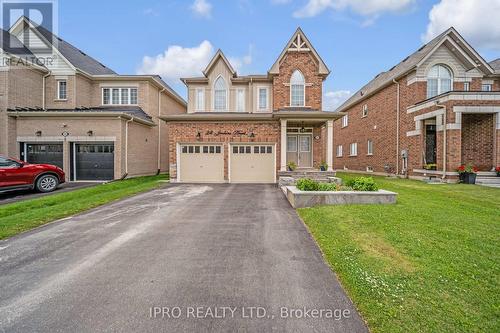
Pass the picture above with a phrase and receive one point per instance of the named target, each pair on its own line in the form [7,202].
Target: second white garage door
[252,163]
[201,163]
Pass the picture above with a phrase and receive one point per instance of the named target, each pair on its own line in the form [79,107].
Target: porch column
[329,144]
[283,145]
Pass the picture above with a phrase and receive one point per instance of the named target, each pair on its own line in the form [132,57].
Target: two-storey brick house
[435,110]
[60,106]
[243,129]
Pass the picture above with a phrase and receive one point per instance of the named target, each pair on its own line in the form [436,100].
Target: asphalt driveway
[221,258]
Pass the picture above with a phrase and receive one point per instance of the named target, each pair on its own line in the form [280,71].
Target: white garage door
[201,163]
[252,163]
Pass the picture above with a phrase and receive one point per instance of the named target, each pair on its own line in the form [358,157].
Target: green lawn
[25,215]
[430,263]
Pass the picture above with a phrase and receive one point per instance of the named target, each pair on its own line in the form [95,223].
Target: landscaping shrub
[307,184]
[362,184]
[328,187]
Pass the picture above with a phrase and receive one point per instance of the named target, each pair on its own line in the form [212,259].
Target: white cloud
[280,2]
[361,7]
[202,8]
[333,99]
[239,62]
[475,20]
[178,61]
[150,11]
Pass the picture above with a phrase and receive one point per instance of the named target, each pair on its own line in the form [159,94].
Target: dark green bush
[362,184]
[307,184]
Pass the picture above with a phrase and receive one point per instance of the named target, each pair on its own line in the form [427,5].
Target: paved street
[130,265]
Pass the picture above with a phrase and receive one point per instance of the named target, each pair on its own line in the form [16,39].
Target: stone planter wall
[300,199]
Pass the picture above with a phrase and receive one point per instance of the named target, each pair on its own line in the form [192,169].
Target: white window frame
[439,80]
[345,120]
[369,147]
[227,95]
[242,97]
[258,98]
[303,89]
[466,86]
[58,97]
[488,85]
[129,97]
[199,104]
[364,112]
[353,149]
[340,150]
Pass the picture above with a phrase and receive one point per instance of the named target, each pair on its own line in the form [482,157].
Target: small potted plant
[323,166]
[467,174]
[497,170]
[291,166]
[430,166]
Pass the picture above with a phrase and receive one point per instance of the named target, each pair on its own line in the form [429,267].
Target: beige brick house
[245,129]
[68,109]
[438,108]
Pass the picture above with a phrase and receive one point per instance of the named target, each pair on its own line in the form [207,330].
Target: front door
[299,150]
[430,144]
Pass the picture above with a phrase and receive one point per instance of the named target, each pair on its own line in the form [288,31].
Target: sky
[357,39]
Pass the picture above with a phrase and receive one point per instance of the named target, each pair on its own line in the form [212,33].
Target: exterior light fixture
[90,133]
[38,133]
[198,135]
[252,135]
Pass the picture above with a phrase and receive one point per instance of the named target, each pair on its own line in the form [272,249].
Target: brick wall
[304,62]
[179,132]
[477,140]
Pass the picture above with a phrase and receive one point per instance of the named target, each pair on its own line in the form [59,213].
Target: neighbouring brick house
[242,129]
[68,109]
[436,109]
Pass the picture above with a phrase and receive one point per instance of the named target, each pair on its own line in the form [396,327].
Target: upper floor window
[466,86]
[262,98]
[62,89]
[365,110]
[345,120]
[200,99]
[297,89]
[119,96]
[240,100]
[486,87]
[438,81]
[220,94]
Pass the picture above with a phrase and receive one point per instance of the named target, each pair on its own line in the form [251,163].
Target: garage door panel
[252,163]
[201,163]
[45,154]
[94,161]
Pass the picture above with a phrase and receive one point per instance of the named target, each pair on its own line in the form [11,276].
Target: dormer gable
[299,43]
[219,55]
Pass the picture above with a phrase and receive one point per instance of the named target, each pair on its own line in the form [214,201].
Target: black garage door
[45,154]
[94,161]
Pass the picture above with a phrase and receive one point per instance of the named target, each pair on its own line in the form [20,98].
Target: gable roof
[323,69]
[11,44]
[495,64]
[219,54]
[409,63]
[75,56]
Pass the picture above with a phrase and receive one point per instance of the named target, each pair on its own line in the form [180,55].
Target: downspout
[444,139]
[126,147]
[397,125]
[159,131]
[43,88]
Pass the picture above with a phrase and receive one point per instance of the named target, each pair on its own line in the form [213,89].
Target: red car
[16,174]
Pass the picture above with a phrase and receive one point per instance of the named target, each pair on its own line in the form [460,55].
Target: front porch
[306,142]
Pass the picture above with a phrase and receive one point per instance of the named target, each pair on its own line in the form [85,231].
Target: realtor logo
[39,15]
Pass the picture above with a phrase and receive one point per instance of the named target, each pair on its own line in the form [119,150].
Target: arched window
[220,94]
[297,89]
[439,80]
